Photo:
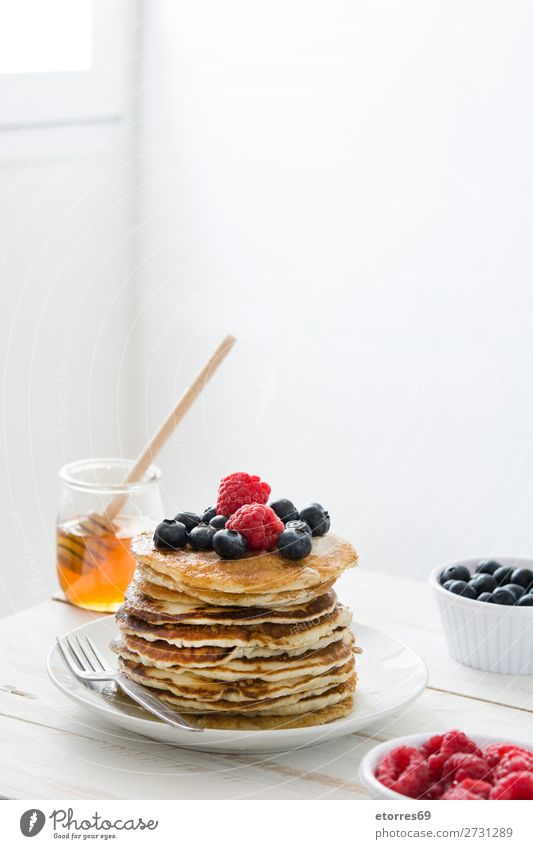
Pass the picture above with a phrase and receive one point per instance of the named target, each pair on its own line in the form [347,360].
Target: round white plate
[390,676]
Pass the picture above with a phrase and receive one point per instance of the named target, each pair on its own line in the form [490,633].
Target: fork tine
[67,657]
[72,647]
[97,655]
[86,656]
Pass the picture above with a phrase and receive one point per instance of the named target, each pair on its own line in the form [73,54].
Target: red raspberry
[462,765]
[435,790]
[258,524]
[468,789]
[431,746]
[439,748]
[513,762]
[238,489]
[449,743]
[404,771]
[496,751]
[435,761]
[436,765]
[515,785]
[456,741]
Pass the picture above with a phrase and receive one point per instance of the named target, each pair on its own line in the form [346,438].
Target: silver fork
[87,663]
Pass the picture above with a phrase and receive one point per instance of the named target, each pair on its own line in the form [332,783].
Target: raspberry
[435,790]
[238,489]
[404,771]
[439,748]
[456,741]
[496,751]
[431,746]
[462,765]
[515,785]
[468,789]
[258,524]
[436,765]
[513,762]
[449,744]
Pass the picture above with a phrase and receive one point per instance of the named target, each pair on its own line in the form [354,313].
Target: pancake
[162,654]
[266,634]
[161,586]
[256,572]
[275,668]
[273,722]
[138,605]
[248,691]
[283,706]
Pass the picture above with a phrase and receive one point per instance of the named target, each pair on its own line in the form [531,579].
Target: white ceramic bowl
[491,637]
[370,761]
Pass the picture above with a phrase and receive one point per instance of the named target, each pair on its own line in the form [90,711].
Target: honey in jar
[94,568]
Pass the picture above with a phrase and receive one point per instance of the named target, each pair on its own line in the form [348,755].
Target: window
[44,36]
[64,61]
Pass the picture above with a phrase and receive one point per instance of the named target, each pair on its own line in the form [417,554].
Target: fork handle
[153,704]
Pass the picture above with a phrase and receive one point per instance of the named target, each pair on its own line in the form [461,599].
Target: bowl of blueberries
[486,607]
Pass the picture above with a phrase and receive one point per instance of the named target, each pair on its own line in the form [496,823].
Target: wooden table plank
[93,763]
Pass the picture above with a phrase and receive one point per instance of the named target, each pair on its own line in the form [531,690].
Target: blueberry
[484,597]
[170,535]
[230,545]
[285,510]
[483,583]
[487,567]
[190,520]
[317,518]
[503,575]
[455,573]
[524,577]
[502,596]
[463,589]
[209,514]
[516,590]
[447,585]
[219,522]
[526,600]
[294,543]
[201,537]
[299,526]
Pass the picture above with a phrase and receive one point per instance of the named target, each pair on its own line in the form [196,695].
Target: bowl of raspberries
[486,608]
[449,766]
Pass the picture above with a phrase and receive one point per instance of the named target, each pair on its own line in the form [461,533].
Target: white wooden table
[52,749]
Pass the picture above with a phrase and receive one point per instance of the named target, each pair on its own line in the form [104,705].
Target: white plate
[390,676]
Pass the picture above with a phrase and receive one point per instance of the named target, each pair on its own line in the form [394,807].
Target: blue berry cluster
[208,532]
[203,533]
[492,583]
[295,541]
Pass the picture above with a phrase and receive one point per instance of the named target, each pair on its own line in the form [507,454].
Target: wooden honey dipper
[102,525]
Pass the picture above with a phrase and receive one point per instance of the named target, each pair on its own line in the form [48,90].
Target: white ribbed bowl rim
[370,760]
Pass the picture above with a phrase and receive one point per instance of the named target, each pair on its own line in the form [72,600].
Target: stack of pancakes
[260,642]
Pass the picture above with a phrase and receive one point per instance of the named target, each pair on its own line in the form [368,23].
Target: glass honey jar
[95,564]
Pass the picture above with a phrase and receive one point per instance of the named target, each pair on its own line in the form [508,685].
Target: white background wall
[347,188]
